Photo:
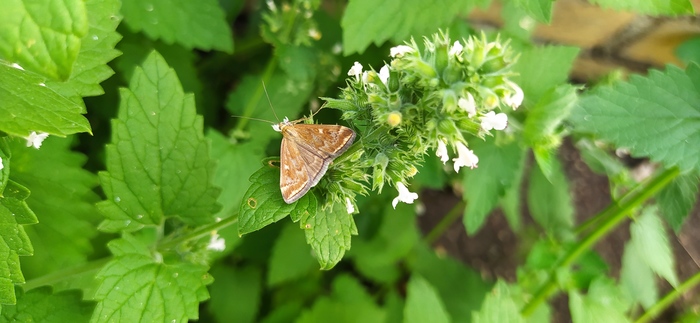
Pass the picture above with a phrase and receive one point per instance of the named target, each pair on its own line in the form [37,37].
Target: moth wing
[316,166]
[294,176]
[327,141]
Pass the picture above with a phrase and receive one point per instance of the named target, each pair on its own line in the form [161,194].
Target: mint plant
[136,186]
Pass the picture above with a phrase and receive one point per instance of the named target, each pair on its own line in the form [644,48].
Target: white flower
[313,33]
[355,70]
[271,5]
[405,195]
[1,165]
[441,152]
[400,50]
[515,99]
[216,243]
[456,49]
[35,139]
[468,105]
[384,75]
[466,157]
[365,78]
[349,206]
[337,48]
[494,121]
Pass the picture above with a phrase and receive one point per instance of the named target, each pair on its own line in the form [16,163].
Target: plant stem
[611,217]
[199,233]
[444,223]
[66,274]
[665,302]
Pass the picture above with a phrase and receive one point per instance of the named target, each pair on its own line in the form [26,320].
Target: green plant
[126,198]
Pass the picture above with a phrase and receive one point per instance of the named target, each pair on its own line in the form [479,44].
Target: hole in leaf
[253,203]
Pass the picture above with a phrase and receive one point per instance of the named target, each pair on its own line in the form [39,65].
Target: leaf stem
[66,274]
[444,223]
[198,234]
[665,302]
[611,217]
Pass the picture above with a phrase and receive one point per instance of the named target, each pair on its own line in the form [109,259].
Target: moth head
[278,127]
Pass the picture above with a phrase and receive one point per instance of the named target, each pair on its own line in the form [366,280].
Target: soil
[496,251]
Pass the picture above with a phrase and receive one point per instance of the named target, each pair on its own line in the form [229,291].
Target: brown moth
[306,152]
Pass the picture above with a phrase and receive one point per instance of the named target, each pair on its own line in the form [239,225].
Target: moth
[306,152]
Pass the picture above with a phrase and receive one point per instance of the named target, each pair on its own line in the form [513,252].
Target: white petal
[494,121]
[468,105]
[216,243]
[516,98]
[1,165]
[466,158]
[456,49]
[349,206]
[36,139]
[441,152]
[405,195]
[384,74]
[355,70]
[400,50]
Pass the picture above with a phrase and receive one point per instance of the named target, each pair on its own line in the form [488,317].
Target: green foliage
[130,224]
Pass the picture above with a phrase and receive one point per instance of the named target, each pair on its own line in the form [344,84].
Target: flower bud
[381,161]
[441,60]
[452,74]
[447,128]
[424,69]
[449,101]
[393,119]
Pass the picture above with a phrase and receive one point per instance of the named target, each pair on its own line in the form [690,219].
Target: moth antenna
[270,101]
[256,119]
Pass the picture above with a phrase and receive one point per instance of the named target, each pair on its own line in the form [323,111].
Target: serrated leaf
[14,213]
[43,36]
[542,68]
[349,302]
[28,105]
[43,305]
[366,21]
[485,185]
[462,289]
[541,10]
[328,232]
[510,203]
[656,116]
[291,257]
[397,236]
[650,7]
[550,203]
[262,203]
[677,199]
[649,237]
[63,198]
[96,50]
[546,116]
[192,24]
[499,306]
[138,286]
[637,278]
[604,302]
[158,163]
[237,294]
[423,304]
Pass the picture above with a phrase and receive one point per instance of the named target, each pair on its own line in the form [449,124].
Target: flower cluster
[431,99]
[278,29]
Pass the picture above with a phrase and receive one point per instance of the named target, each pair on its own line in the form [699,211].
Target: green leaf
[542,68]
[192,24]
[545,118]
[63,198]
[677,199]
[299,62]
[604,302]
[237,294]
[637,278]
[541,10]
[656,116]
[97,49]
[550,203]
[14,213]
[689,51]
[431,173]
[28,105]
[42,305]
[366,21]
[485,185]
[5,162]
[499,306]
[510,203]
[650,239]
[423,303]
[461,288]
[348,302]
[397,236]
[43,36]
[291,257]
[650,7]
[328,232]
[158,163]
[263,205]
[138,286]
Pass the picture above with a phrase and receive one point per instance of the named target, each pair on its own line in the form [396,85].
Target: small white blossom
[271,5]
[337,48]
[1,165]
[405,195]
[349,206]
[494,121]
[468,105]
[466,157]
[384,75]
[356,70]
[365,78]
[515,99]
[441,152]
[315,34]
[456,49]
[400,50]
[216,243]
[35,139]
